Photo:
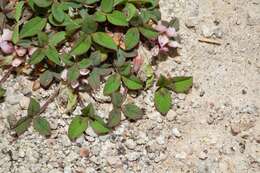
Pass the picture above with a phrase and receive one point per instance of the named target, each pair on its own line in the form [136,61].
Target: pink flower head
[20,51]
[160,27]
[84,72]
[164,49]
[74,84]
[171,32]
[163,40]
[64,74]
[138,62]
[17,62]
[7,48]
[7,35]
[32,50]
[173,44]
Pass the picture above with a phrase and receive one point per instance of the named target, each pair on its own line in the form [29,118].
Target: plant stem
[5,77]
[50,100]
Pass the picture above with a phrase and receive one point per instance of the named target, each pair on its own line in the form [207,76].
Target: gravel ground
[215,128]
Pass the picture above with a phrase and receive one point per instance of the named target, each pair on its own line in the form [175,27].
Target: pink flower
[74,84]
[7,48]
[163,40]
[164,49]
[137,62]
[20,51]
[84,72]
[160,27]
[17,62]
[7,35]
[171,32]
[64,74]
[32,50]
[174,44]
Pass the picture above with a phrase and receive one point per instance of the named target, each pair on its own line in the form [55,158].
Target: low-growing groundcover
[82,44]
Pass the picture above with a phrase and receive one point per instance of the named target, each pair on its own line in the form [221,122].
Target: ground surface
[215,128]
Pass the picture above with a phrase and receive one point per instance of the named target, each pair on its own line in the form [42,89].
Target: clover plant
[84,44]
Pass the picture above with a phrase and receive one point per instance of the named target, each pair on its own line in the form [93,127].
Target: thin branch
[50,100]
[6,76]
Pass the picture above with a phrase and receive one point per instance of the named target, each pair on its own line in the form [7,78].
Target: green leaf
[114,118]
[99,16]
[182,84]
[46,78]
[125,69]
[15,36]
[107,5]
[85,63]
[77,127]
[96,58]
[117,2]
[99,128]
[130,11]
[43,3]
[164,82]
[112,84]
[72,100]
[117,99]
[132,112]
[37,56]
[34,108]
[94,79]
[89,25]
[2,92]
[148,33]
[73,73]
[57,12]
[42,39]
[163,100]
[53,55]
[22,125]
[120,61]
[117,18]
[104,40]
[132,38]
[133,83]
[32,27]
[82,46]
[18,10]
[57,38]
[42,126]
[88,111]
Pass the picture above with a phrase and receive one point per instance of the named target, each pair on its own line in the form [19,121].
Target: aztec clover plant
[82,44]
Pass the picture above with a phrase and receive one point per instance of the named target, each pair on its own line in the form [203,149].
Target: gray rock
[133,156]
[130,143]
[114,161]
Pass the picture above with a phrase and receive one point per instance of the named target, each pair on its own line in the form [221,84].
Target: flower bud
[17,62]
[7,35]
[171,32]
[20,51]
[163,40]
[7,48]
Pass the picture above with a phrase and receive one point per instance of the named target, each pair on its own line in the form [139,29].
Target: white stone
[181,155]
[130,143]
[176,132]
